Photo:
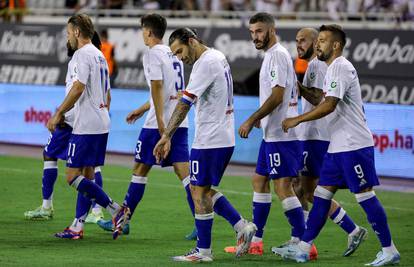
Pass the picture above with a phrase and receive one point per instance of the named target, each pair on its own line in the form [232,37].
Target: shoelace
[193,251]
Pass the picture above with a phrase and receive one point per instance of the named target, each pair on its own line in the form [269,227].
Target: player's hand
[289,123]
[134,115]
[55,120]
[162,148]
[246,128]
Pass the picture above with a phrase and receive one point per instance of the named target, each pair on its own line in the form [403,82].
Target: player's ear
[191,42]
[336,45]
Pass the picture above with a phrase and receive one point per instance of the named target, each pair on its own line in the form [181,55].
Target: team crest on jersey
[333,85]
[312,75]
[273,74]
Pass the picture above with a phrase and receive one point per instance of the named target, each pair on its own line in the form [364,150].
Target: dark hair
[96,41]
[156,23]
[336,31]
[84,23]
[104,33]
[262,17]
[183,34]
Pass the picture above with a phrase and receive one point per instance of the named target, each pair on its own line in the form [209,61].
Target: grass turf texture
[161,221]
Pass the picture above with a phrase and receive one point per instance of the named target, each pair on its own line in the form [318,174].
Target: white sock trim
[50,165]
[186,181]
[205,251]
[97,169]
[203,217]
[339,217]
[262,197]
[240,225]
[364,196]
[290,203]
[139,179]
[77,181]
[323,193]
[216,197]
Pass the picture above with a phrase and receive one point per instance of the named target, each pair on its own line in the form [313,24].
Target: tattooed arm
[178,116]
[162,148]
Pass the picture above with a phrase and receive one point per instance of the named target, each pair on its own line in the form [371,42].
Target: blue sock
[83,205]
[135,192]
[91,190]
[186,184]
[376,216]
[224,208]
[98,181]
[343,220]
[50,173]
[261,209]
[204,223]
[318,214]
[98,177]
[294,213]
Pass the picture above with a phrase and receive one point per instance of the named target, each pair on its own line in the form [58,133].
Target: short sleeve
[337,82]
[82,69]
[154,66]
[201,78]
[309,74]
[278,70]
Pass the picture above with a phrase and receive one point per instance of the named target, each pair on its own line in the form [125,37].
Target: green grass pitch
[161,221]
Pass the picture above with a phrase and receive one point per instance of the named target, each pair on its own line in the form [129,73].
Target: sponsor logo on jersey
[193,178]
[273,74]
[333,84]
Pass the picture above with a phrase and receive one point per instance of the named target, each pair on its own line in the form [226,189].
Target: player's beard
[308,54]
[325,56]
[264,43]
[70,50]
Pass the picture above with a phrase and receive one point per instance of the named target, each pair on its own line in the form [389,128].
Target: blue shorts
[207,166]
[86,150]
[57,144]
[147,140]
[313,154]
[280,159]
[352,169]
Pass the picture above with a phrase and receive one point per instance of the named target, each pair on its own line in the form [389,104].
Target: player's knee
[283,188]
[260,184]
[309,196]
[46,158]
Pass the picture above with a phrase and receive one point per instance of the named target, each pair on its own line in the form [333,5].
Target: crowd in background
[401,9]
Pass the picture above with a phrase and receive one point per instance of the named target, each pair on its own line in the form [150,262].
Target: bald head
[305,41]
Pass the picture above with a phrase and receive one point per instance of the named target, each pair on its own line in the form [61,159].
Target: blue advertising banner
[25,110]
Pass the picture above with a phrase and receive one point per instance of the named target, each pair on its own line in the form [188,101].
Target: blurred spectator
[8,8]
[108,50]
[268,6]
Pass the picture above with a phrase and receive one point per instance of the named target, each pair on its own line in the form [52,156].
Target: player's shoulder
[278,52]
[340,66]
[86,52]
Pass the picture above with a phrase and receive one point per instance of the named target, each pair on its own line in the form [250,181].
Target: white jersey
[69,115]
[211,88]
[347,125]
[277,70]
[91,114]
[314,77]
[160,64]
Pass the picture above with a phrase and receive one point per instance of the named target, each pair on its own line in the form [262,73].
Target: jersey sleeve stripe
[190,96]
[186,101]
